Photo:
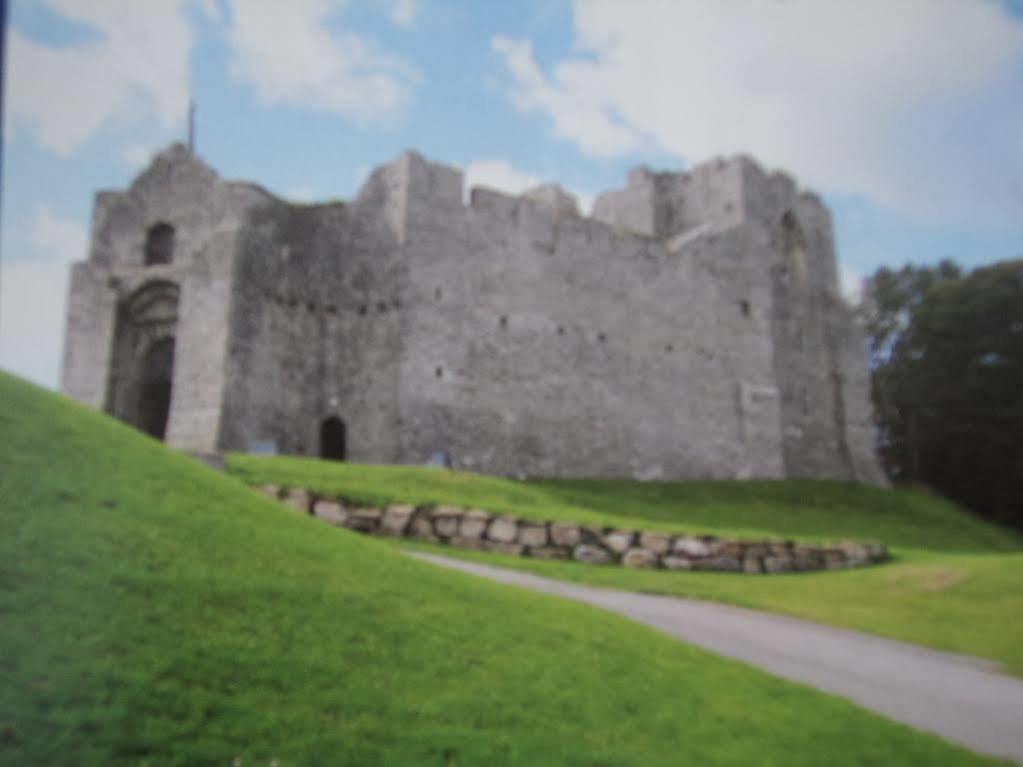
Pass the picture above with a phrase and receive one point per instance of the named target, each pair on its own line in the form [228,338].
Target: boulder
[659,543]
[299,500]
[691,547]
[270,491]
[639,557]
[364,520]
[446,520]
[563,534]
[503,530]
[533,534]
[752,565]
[474,524]
[422,526]
[330,511]
[593,535]
[855,553]
[395,520]
[591,555]
[779,564]
[877,552]
[620,541]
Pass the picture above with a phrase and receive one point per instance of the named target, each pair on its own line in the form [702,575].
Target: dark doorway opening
[332,439]
[155,394]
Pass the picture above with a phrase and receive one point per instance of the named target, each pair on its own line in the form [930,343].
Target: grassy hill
[154,612]
[956,582]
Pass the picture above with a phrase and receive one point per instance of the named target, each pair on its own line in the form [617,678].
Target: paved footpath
[958,697]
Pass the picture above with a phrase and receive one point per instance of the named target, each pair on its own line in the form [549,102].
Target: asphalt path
[961,698]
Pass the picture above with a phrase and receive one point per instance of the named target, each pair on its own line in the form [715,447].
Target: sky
[907,116]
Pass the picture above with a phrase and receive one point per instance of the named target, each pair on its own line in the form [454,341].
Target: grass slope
[956,583]
[800,509]
[154,612]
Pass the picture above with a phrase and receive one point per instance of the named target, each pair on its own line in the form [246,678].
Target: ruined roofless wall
[658,338]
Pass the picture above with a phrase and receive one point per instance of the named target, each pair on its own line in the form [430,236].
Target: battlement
[689,328]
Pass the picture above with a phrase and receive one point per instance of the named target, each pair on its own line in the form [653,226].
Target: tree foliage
[946,354]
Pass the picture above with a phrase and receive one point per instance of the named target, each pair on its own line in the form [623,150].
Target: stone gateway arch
[690,328]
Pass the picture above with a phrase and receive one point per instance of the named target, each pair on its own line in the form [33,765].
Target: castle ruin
[690,328]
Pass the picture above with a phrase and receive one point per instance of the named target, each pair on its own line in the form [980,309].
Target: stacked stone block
[506,534]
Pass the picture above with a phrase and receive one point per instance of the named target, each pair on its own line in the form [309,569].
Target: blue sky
[907,117]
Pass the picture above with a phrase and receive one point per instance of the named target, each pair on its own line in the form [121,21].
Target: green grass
[154,612]
[956,582]
[797,509]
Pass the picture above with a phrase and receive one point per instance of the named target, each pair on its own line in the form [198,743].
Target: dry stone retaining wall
[506,534]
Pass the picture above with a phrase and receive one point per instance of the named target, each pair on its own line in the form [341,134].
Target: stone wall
[690,329]
[506,534]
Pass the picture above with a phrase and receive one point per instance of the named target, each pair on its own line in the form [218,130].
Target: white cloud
[33,296]
[403,12]
[137,155]
[909,103]
[574,103]
[137,69]
[499,175]
[504,177]
[287,53]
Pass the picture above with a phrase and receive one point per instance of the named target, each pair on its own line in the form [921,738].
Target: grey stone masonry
[691,328]
[506,534]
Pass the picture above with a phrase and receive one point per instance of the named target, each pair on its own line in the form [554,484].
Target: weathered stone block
[877,552]
[270,491]
[503,530]
[639,557]
[780,548]
[395,520]
[659,543]
[620,541]
[473,524]
[330,511]
[446,520]
[593,535]
[563,534]
[779,564]
[855,553]
[752,565]
[835,559]
[692,547]
[592,555]
[421,525]
[364,520]
[533,534]
[299,500]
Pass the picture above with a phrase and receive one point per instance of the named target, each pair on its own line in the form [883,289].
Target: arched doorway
[155,378]
[332,439]
[142,359]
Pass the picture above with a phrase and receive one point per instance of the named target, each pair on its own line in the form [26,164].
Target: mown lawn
[154,612]
[955,582]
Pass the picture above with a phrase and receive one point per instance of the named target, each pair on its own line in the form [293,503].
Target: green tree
[946,353]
